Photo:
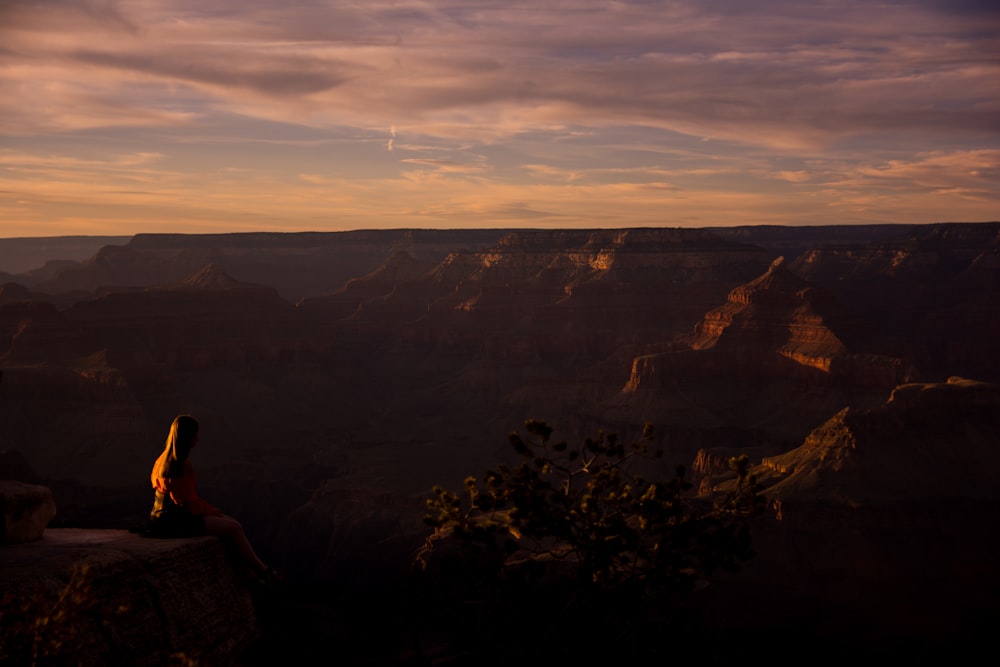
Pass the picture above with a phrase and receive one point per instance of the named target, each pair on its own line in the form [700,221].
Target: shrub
[578,534]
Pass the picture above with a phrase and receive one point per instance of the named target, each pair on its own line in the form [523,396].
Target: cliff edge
[110,597]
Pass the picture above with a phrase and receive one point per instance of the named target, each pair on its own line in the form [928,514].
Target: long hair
[177,448]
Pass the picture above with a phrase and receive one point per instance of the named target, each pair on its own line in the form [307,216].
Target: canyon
[339,376]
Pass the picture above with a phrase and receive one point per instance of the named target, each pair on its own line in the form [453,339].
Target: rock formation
[25,510]
[881,527]
[932,292]
[112,597]
[929,442]
[780,354]
[26,507]
[298,265]
[109,597]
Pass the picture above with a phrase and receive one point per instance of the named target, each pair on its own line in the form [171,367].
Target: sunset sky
[197,116]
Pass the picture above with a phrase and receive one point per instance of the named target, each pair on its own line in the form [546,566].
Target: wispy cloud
[687,112]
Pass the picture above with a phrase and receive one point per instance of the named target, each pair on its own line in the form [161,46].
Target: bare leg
[228,527]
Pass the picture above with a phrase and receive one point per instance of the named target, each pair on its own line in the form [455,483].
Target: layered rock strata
[880,534]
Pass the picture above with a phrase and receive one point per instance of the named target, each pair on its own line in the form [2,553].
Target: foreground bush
[577,538]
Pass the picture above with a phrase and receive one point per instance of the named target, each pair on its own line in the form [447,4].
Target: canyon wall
[339,377]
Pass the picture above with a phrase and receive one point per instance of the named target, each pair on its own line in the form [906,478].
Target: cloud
[671,105]
[445,166]
[786,79]
[112,162]
[969,173]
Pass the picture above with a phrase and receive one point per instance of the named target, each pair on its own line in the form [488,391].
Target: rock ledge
[110,597]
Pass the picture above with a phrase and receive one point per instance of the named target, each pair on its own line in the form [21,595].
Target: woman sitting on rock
[178,511]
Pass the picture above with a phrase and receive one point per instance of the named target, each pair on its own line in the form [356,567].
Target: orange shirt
[182,490]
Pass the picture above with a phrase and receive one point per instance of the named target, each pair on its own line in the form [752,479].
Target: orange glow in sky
[121,117]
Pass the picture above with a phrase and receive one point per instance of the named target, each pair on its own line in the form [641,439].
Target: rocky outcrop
[780,311]
[109,597]
[780,354]
[930,290]
[26,506]
[25,511]
[881,529]
[929,442]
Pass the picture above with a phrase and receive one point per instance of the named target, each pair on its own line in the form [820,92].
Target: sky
[133,116]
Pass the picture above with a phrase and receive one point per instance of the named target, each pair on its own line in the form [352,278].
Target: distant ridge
[18,255]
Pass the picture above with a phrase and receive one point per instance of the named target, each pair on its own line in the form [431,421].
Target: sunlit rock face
[570,296]
[776,354]
[781,311]
[603,275]
[778,311]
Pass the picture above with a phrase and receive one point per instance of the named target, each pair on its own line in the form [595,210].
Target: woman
[178,511]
